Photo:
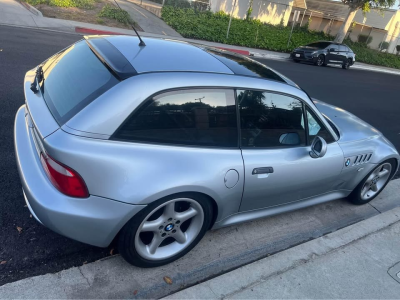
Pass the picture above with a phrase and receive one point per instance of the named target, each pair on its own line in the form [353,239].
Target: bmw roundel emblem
[347,162]
[169,227]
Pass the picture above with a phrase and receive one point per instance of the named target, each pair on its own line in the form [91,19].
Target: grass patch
[88,4]
[209,26]
[112,12]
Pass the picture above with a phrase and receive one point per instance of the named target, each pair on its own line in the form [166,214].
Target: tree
[250,10]
[354,6]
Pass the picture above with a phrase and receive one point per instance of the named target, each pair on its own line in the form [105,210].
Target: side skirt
[275,210]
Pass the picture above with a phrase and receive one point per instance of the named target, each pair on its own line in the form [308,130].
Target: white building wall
[272,12]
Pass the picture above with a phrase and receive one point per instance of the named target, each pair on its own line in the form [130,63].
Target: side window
[342,48]
[336,47]
[270,120]
[316,127]
[201,117]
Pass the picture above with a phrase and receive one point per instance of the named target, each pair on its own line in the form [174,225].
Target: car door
[333,54]
[342,53]
[275,149]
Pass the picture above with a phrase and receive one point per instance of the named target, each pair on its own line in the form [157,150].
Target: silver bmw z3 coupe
[154,145]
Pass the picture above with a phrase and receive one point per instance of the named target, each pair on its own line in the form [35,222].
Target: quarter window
[316,127]
[201,117]
[270,120]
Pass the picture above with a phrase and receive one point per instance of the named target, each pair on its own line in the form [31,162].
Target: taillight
[66,180]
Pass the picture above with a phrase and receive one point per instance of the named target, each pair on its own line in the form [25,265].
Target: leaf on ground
[168,280]
[19,229]
[112,251]
[3,262]
[85,262]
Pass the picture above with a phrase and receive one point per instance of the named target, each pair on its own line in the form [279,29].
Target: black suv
[323,53]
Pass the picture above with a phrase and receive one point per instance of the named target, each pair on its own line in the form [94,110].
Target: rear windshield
[72,79]
[319,45]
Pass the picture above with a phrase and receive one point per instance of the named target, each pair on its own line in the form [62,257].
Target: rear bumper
[93,220]
[303,58]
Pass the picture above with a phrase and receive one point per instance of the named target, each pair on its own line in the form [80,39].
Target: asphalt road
[36,250]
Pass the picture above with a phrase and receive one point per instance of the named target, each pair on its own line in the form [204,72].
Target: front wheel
[320,61]
[165,230]
[373,184]
[346,64]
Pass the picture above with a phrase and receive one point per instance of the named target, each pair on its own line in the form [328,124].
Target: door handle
[265,170]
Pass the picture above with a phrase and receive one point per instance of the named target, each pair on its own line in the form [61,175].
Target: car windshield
[72,79]
[319,45]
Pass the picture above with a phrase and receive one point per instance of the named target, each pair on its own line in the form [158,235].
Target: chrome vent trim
[357,159]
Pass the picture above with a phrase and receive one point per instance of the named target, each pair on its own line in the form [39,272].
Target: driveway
[146,20]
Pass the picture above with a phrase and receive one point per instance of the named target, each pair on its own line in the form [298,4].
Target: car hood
[351,128]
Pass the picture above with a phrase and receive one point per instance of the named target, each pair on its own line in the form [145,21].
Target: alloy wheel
[320,60]
[169,229]
[376,181]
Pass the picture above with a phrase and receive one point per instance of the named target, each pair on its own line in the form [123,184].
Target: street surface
[36,250]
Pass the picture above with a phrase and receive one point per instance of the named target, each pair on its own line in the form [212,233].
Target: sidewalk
[14,14]
[359,261]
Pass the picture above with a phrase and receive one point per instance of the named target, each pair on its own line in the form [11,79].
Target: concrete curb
[230,283]
[32,9]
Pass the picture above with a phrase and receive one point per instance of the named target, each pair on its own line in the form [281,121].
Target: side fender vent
[357,159]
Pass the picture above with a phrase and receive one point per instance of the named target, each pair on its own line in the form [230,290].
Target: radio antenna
[133,27]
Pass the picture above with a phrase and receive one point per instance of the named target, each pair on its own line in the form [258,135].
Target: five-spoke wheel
[165,230]
[373,183]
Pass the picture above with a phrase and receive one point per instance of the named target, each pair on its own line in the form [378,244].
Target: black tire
[320,61]
[126,239]
[355,196]
[296,60]
[347,64]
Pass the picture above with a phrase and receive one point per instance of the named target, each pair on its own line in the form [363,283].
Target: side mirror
[332,50]
[318,147]
[291,138]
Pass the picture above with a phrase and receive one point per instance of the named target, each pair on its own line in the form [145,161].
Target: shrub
[364,39]
[112,12]
[177,3]
[383,45]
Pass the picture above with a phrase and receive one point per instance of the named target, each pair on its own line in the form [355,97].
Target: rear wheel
[346,64]
[373,184]
[320,61]
[296,60]
[165,230]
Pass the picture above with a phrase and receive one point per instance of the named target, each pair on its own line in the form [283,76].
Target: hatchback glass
[319,45]
[72,79]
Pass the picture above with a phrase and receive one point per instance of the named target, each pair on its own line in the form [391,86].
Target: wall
[272,12]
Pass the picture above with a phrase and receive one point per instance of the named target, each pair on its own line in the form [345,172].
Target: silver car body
[123,177]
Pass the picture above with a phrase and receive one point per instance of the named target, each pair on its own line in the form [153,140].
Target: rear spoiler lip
[111,57]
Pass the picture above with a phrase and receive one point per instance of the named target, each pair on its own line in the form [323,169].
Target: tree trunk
[345,25]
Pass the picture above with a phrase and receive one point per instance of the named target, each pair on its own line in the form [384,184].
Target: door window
[317,128]
[335,47]
[270,120]
[201,117]
[343,48]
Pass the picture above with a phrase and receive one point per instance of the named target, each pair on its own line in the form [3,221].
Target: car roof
[166,55]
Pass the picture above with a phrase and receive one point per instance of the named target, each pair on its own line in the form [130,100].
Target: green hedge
[252,33]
